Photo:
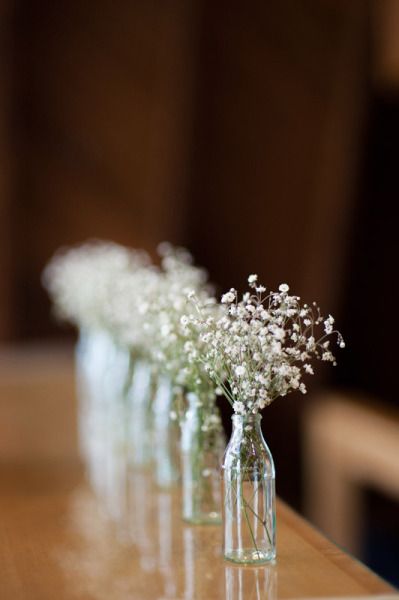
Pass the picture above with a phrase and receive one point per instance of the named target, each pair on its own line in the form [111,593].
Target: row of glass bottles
[124,409]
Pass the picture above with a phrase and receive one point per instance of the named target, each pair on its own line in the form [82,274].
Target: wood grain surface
[58,541]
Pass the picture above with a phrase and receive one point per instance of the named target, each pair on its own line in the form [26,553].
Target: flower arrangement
[259,347]
[167,326]
[115,296]
[104,286]
[193,394]
[83,281]
[162,315]
[255,348]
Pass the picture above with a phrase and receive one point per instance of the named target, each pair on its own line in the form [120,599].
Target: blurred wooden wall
[6,273]
[233,128]
[102,95]
[280,112]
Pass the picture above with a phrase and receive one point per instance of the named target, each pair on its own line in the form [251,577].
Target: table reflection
[129,541]
[255,583]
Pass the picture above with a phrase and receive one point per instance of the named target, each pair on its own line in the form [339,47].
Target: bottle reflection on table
[201,576]
[249,582]
[142,512]
[167,549]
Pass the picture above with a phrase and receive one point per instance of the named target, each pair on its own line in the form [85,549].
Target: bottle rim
[248,417]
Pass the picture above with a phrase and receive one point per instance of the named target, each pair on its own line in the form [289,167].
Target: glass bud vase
[249,516]
[166,437]
[202,447]
[93,366]
[140,419]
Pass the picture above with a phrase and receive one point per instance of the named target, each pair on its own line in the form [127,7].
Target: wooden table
[57,541]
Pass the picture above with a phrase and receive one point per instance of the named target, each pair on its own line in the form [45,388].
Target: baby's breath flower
[239,407]
[240,371]
[84,282]
[328,324]
[228,297]
[258,348]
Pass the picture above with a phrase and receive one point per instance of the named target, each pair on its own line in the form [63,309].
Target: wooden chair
[350,442]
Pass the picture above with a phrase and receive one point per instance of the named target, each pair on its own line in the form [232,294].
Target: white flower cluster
[82,280]
[166,314]
[251,349]
[101,285]
[259,347]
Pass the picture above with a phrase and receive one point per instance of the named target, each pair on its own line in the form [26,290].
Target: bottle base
[250,556]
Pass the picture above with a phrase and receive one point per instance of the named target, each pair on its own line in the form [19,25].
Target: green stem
[259,519]
[245,503]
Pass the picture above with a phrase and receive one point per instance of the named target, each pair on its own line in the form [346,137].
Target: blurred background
[262,136]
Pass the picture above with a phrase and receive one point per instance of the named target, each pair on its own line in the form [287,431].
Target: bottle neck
[246,424]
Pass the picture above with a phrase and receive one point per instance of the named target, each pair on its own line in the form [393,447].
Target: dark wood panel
[6,163]
[274,127]
[104,123]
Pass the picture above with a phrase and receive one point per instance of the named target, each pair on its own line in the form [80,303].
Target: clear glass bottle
[202,447]
[166,438]
[103,371]
[140,418]
[249,516]
[92,359]
[83,376]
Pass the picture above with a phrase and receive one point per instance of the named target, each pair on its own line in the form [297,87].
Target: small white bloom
[283,287]
[240,371]
[239,407]
[328,324]
[228,298]
[279,333]
[252,278]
